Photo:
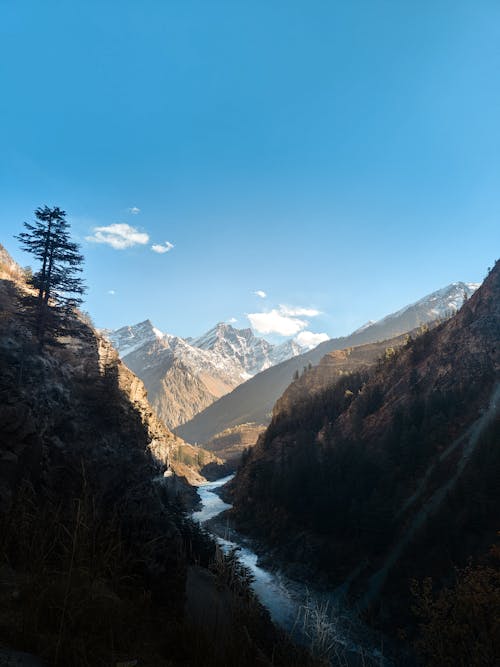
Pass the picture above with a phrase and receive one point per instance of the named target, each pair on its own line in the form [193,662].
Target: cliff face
[231,443]
[369,464]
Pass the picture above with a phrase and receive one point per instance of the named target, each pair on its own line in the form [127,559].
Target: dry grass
[72,595]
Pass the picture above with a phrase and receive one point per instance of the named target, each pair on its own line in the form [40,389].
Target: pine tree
[59,286]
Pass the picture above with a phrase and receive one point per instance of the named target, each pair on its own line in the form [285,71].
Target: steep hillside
[253,401]
[97,557]
[183,377]
[370,464]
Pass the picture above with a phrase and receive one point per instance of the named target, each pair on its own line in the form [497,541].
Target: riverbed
[309,616]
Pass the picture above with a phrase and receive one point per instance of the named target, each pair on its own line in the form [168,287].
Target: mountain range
[252,402]
[184,376]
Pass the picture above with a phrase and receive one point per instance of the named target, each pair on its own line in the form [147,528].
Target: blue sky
[342,157]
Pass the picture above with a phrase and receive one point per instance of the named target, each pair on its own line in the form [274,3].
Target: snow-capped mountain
[438,305]
[128,339]
[183,376]
[252,353]
[253,401]
[442,303]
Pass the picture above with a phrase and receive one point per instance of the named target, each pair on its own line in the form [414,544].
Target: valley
[249,334]
[294,605]
[293,510]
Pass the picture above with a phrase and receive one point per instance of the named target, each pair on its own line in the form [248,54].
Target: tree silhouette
[59,286]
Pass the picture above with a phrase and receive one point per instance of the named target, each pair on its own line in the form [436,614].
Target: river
[309,616]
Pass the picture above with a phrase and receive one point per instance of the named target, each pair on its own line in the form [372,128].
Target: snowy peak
[440,304]
[128,339]
[450,299]
[183,376]
[221,334]
[287,350]
[363,327]
[252,353]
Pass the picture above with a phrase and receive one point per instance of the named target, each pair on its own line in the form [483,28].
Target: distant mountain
[184,376]
[439,305]
[253,401]
[252,353]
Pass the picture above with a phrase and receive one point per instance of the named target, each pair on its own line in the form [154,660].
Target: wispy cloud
[119,236]
[161,248]
[304,312]
[260,293]
[112,292]
[283,320]
[232,320]
[134,210]
[308,339]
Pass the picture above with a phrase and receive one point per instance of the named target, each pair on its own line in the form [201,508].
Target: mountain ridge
[184,376]
[254,400]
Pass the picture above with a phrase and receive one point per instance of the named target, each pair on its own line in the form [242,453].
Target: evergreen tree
[59,286]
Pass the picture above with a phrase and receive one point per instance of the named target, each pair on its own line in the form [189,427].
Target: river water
[303,613]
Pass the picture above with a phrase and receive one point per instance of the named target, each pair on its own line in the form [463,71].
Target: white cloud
[283,320]
[119,236]
[161,248]
[309,339]
[294,312]
[134,210]
[260,293]
[112,292]
[232,320]
[275,322]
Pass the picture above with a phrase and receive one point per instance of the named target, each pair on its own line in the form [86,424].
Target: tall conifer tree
[58,283]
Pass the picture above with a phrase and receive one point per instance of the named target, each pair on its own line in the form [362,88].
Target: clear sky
[339,157]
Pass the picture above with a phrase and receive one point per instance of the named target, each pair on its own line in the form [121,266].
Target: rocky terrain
[334,365]
[231,443]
